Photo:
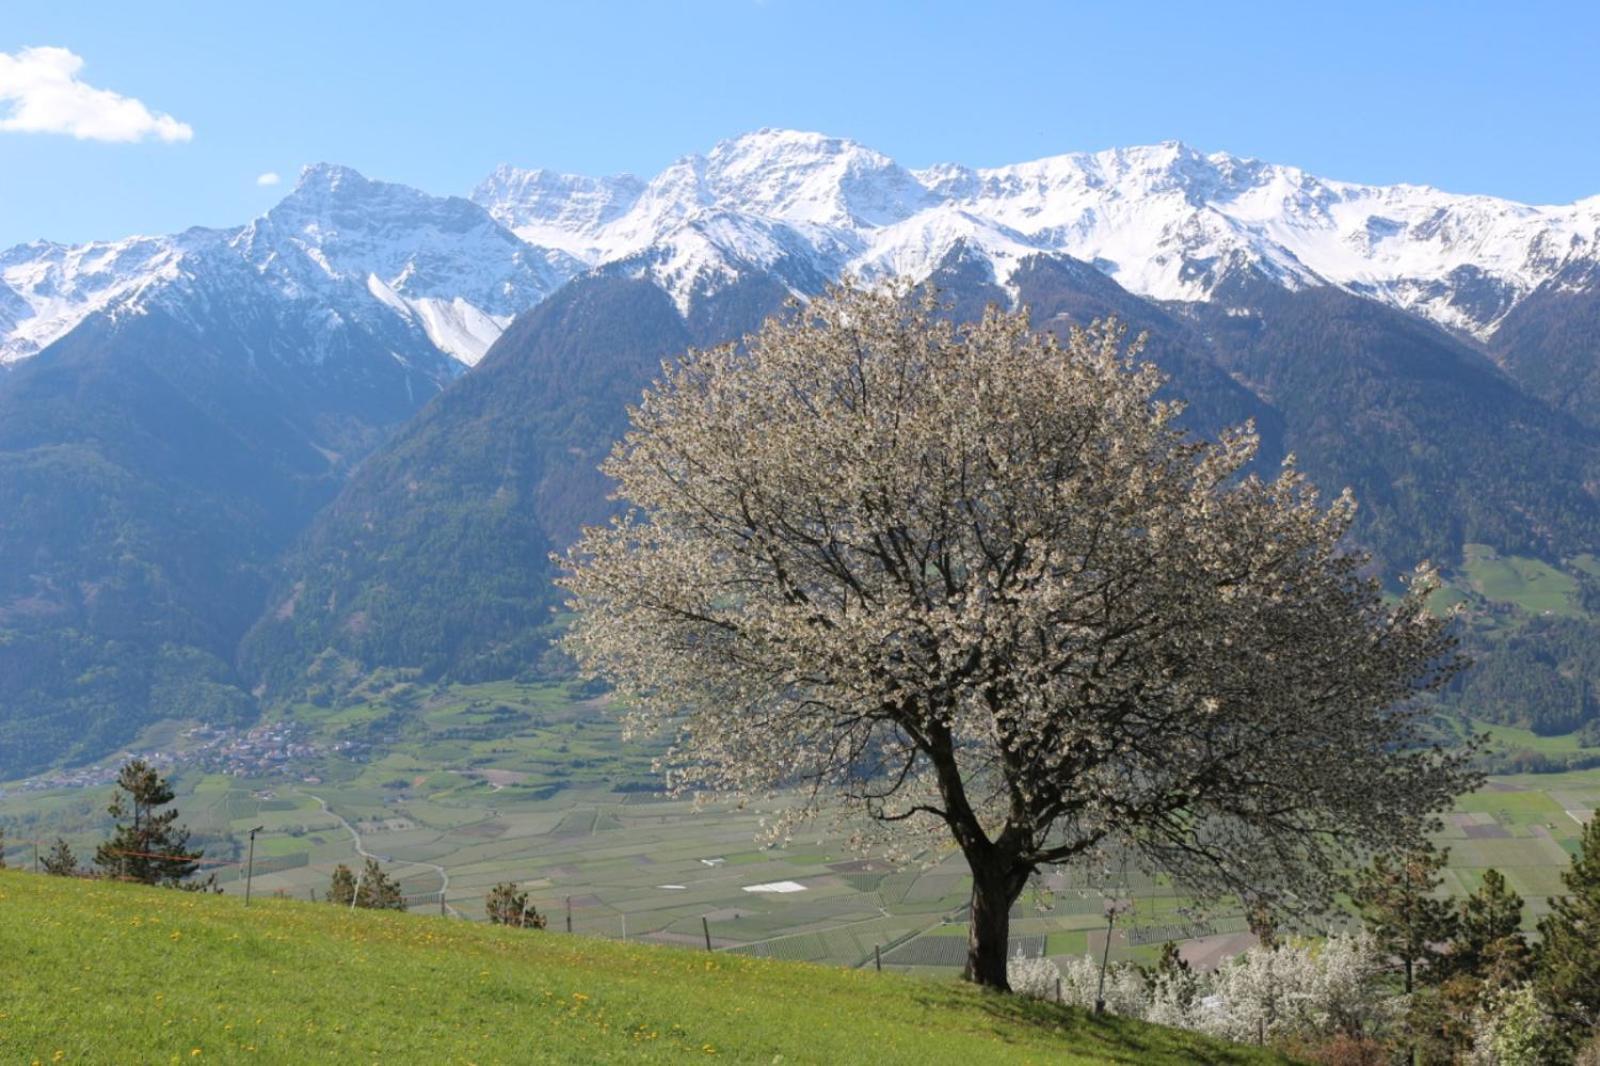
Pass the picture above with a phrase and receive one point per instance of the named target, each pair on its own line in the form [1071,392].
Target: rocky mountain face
[246,464]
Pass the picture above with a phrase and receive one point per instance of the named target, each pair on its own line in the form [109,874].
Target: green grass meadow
[1534,586]
[102,972]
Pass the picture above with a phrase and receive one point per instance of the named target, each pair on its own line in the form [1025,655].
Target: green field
[101,972]
[1530,584]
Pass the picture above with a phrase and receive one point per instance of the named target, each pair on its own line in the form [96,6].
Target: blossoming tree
[975,581]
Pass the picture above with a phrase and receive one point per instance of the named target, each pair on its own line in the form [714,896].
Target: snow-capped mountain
[46,289]
[427,272]
[1165,221]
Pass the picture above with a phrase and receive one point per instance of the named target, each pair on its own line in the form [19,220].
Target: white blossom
[976,583]
[1033,975]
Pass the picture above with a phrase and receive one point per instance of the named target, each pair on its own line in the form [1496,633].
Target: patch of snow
[777,886]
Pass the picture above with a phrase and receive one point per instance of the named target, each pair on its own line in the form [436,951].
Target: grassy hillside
[101,972]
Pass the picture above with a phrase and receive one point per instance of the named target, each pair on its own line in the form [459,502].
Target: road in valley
[444,875]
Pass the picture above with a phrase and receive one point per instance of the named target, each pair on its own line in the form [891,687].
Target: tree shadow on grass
[1105,1036]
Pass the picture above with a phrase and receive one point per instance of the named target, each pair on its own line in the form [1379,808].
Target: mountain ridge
[1157,218]
[1166,221]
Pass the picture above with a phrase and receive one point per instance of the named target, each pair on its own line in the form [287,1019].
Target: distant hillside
[151,468]
[1441,446]
[435,556]
[201,979]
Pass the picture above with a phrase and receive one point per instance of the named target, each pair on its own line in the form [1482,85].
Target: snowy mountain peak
[327,177]
[423,270]
[813,179]
[1166,220]
[46,289]
[556,211]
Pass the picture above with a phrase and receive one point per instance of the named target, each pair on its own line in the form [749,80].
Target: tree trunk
[994,889]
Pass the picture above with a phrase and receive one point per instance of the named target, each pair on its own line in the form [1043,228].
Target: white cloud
[269,178]
[44,95]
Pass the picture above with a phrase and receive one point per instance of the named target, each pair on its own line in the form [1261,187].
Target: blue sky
[1472,97]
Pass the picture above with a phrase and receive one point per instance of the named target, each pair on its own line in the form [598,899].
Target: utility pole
[250,864]
[707,927]
[1105,958]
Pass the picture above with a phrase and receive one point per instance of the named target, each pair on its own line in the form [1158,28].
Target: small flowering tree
[1033,976]
[1126,992]
[974,581]
[1516,1029]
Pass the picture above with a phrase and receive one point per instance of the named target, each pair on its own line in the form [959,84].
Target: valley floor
[533,784]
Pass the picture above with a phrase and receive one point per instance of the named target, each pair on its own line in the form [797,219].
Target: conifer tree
[373,889]
[1569,950]
[1488,943]
[505,905]
[1396,896]
[342,886]
[60,861]
[1262,922]
[148,845]
[1173,979]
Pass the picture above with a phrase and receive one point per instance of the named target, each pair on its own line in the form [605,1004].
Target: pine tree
[1568,976]
[1173,979]
[1262,922]
[505,905]
[376,890]
[60,861]
[1489,945]
[149,846]
[1397,902]
[342,886]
